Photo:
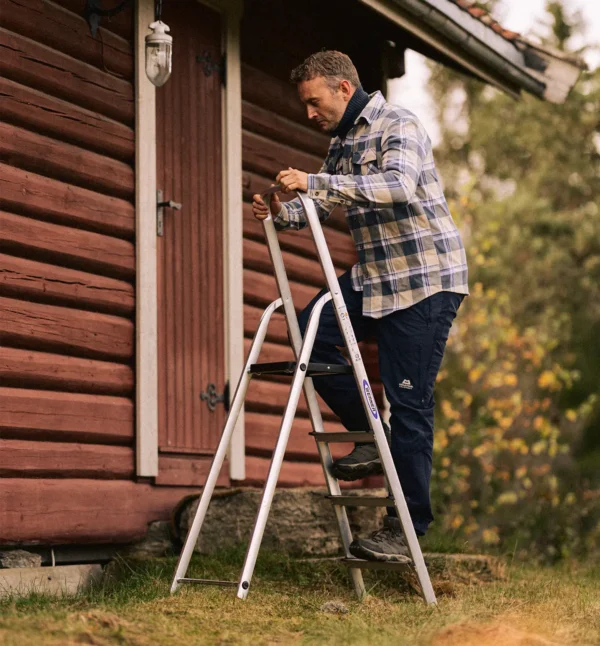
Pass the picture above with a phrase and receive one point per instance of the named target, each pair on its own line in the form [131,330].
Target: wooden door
[190,263]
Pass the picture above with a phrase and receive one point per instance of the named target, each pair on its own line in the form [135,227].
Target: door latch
[212,398]
[161,205]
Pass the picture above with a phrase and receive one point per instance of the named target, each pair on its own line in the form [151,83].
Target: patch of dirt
[498,634]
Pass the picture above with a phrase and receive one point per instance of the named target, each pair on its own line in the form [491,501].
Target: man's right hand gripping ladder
[303,371]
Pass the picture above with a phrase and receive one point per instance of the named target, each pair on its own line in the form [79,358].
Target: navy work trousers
[411,345]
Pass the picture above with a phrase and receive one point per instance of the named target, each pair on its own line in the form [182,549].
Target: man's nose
[312,113]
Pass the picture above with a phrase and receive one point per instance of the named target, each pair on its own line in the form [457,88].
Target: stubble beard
[331,127]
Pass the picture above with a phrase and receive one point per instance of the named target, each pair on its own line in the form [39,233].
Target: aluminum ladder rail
[302,371]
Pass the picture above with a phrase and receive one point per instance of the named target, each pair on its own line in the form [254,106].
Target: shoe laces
[362,451]
[384,534]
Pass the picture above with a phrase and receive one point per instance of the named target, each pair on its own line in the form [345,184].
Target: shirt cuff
[318,186]
[282,217]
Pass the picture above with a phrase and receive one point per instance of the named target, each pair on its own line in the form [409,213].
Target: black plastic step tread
[392,566]
[362,501]
[344,436]
[289,367]
[209,582]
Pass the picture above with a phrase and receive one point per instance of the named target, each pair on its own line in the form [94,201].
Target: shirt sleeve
[292,214]
[403,148]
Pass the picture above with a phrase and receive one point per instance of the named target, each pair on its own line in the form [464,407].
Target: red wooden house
[113,337]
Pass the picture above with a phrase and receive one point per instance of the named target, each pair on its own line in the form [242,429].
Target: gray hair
[332,65]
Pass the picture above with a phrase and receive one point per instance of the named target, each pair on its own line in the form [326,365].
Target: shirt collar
[369,113]
[372,109]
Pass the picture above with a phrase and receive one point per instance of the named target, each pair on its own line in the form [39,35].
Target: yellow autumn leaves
[499,428]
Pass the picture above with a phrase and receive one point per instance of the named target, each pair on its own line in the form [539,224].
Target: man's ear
[346,88]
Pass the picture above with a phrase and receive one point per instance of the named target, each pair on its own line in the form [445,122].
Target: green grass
[528,607]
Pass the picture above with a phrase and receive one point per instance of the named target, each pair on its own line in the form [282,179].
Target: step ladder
[302,371]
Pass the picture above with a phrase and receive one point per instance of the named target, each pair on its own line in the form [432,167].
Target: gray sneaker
[386,544]
[362,462]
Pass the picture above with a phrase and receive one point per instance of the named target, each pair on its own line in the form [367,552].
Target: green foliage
[563,26]
[504,474]
[517,447]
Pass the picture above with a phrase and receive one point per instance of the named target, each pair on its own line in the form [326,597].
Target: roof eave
[478,48]
[558,70]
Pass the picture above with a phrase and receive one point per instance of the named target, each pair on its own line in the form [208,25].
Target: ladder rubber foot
[362,501]
[209,582]
[344,436]
[392,566]
[289,367]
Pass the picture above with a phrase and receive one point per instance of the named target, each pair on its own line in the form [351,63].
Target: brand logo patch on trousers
[405,383]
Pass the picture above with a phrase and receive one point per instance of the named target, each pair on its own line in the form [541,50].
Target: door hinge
[212,398]
[210,65]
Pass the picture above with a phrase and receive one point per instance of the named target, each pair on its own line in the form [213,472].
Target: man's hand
[292,180]
[261,212]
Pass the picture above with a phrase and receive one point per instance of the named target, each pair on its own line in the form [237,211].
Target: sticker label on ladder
[370,398]
[347,327]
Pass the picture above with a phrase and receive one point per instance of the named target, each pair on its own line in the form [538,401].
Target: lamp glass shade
[159,53]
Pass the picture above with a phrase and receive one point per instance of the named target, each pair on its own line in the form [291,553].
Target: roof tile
[470,6]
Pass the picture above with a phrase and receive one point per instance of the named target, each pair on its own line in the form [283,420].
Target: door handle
[170,205]
[161,205]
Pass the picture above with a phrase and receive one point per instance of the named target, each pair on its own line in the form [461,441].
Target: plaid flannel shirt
[384,175]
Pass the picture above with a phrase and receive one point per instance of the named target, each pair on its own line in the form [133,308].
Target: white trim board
[233,225]
[146,294]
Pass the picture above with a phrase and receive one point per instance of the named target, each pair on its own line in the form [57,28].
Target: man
[406,287]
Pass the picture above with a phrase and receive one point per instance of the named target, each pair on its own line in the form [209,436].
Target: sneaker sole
[348,473]
[360,552]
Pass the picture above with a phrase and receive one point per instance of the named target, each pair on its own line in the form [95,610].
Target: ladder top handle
[273,189]
[277,188]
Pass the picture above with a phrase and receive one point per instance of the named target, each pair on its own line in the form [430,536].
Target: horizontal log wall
[81,510]
[67,188]
[276,135]
[67,275]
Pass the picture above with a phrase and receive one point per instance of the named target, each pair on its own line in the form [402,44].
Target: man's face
[324,105]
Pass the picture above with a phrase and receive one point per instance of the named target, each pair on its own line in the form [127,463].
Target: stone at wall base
[157,542]
[19,558]
[301,521]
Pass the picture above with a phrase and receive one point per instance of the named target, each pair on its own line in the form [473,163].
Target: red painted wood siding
[67,264]
[67,275]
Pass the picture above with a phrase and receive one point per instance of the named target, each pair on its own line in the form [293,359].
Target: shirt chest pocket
[365,162]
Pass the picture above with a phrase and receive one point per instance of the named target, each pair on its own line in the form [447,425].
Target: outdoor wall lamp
[159,53]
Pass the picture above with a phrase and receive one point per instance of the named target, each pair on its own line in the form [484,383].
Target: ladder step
[344,436]
[289,367]
[209,582]
[362,501]
[392,566]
